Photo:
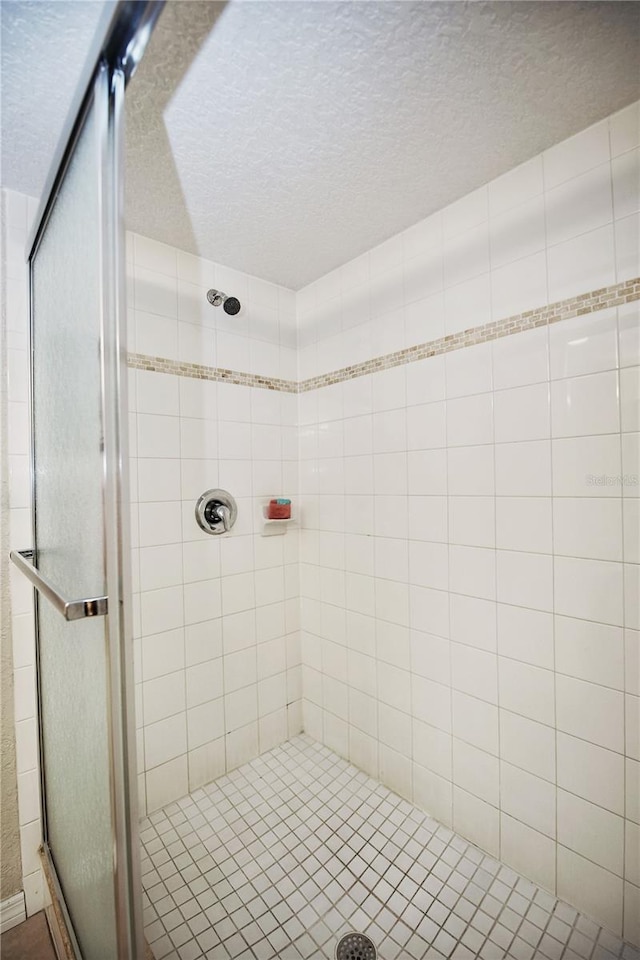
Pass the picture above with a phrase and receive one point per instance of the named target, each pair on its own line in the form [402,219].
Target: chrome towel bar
[70,609]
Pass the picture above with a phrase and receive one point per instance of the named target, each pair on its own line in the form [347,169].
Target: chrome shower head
[231,305]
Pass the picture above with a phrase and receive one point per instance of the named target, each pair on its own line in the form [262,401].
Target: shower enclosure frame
[120,43]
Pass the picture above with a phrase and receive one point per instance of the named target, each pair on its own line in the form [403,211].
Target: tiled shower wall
[215,618]
[18,212]
[470,543]
[563,223]
[467,595]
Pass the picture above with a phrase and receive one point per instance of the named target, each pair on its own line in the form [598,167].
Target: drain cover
[356,946]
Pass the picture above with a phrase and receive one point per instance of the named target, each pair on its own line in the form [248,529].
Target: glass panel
[68,441]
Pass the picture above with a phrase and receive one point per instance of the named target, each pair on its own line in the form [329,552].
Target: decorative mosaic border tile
[552,313]
[198,371]
[612,296]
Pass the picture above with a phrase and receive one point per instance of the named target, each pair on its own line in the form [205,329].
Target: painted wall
[469,594]
[216,618]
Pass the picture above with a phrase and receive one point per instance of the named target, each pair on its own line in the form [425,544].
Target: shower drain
[356,946]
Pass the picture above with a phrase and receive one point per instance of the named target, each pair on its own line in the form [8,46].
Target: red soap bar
[279,511]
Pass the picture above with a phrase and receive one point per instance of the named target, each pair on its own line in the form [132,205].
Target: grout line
[553,553]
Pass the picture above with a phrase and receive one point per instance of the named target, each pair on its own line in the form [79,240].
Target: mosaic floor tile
[286,854]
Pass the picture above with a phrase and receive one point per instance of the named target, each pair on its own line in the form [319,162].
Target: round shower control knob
[216,511]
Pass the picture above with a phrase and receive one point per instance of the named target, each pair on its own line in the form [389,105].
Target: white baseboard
[12,912]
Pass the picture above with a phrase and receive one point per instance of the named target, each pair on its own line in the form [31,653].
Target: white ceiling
[284,138]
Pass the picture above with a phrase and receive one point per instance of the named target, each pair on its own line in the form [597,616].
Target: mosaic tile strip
[553,313]
[612,296]
[198,371]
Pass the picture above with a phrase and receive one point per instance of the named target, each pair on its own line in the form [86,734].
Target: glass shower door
[69,274]
[79,563]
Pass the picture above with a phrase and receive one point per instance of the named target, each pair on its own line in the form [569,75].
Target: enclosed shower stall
[335,517]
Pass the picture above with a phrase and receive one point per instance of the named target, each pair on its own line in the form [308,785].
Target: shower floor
[285,854]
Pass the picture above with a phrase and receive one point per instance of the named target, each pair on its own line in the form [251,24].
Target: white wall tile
[592,832]
[520,360]
[430,656]
[630,399]
[632,726]
[527,850]
[624,128]
[153,255]
[585,405]
[472,521]
[528,744]
[468,471]
[519,231]
[590,711]
[472,571]
[588,527]
[468,304]
[582,263]
[470,420]
[476,772]
[465,213]
[590,651]
[519,286]
[468,371]
[631,930]
[425,381]
[523,469]
[527,690]
[591,772]
[585,344]
[524,523]
[586,466]
[627,234]
[632,853]
[155,292]
[525,579]
[529,799]
[588,589]
[631,803]
[166,783]
[466,255]
[162,653]
[431,748]
[515,186]
[626,183]
[579,205]
[165,740]
[473,621]
[163,697]
[525,635]
[590,888]
[522,413]
[585,150]
[476,820]
[474,672]
[475,722]
[432,793]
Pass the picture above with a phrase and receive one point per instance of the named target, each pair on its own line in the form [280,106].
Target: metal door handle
[70,609]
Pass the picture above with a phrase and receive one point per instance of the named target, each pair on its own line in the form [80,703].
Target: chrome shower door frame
[119,46]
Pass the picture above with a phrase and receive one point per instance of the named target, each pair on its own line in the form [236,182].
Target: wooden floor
[28,941]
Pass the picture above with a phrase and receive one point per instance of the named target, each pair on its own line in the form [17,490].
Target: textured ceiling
[44,47]
[284,138]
